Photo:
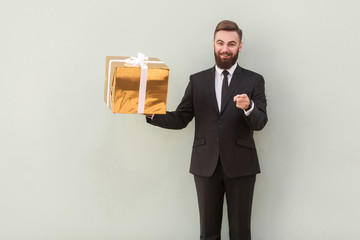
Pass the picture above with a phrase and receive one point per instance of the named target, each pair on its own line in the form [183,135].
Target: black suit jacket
[229,133]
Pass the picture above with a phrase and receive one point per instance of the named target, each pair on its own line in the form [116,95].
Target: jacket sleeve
[179,118]
[257,119]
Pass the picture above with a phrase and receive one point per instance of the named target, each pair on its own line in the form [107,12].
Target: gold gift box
[122,92]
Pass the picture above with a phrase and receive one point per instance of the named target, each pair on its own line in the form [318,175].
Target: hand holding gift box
[136,85]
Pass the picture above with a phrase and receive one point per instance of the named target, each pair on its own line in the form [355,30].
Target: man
[228,103]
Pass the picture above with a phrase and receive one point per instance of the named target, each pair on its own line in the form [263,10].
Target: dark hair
[227,25]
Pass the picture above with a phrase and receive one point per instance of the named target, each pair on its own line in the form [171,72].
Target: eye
[219,43]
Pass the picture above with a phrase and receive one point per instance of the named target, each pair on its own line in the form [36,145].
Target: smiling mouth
[225,55]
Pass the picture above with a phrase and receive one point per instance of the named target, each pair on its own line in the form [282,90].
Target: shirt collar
[230,70]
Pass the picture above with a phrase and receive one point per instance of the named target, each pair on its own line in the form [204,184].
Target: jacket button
[219,121]
[217,139]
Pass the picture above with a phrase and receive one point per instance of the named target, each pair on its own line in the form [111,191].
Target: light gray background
[71,170]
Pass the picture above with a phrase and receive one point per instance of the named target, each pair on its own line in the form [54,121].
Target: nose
[224,48]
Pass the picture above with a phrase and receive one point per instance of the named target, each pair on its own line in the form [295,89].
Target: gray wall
[70,169]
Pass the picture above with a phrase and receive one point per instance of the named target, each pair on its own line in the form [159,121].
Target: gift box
[136,85]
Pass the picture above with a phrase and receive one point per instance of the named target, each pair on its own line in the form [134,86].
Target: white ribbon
[140,60]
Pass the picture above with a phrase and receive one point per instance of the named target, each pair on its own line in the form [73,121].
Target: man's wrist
[249,107]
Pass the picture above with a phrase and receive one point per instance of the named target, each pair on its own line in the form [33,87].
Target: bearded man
[228,103]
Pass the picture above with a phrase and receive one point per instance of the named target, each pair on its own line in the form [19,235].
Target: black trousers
[239,194]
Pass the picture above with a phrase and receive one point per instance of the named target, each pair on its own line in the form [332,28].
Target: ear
[240,47]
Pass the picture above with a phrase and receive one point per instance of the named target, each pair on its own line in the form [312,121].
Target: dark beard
[226,64]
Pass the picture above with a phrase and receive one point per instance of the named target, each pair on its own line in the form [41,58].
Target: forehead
[227,36]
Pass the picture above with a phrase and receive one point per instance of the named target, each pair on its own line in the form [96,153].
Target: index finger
[236,97]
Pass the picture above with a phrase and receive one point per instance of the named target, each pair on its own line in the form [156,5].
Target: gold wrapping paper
[124,86]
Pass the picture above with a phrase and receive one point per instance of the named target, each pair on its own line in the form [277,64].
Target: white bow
[139,60]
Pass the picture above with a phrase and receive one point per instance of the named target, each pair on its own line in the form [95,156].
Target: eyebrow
[228,42]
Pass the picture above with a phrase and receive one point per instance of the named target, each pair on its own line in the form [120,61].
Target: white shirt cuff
[150,117]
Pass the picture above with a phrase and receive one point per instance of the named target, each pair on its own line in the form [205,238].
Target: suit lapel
[235,80]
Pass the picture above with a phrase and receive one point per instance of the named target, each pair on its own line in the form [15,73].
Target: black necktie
[224,88]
